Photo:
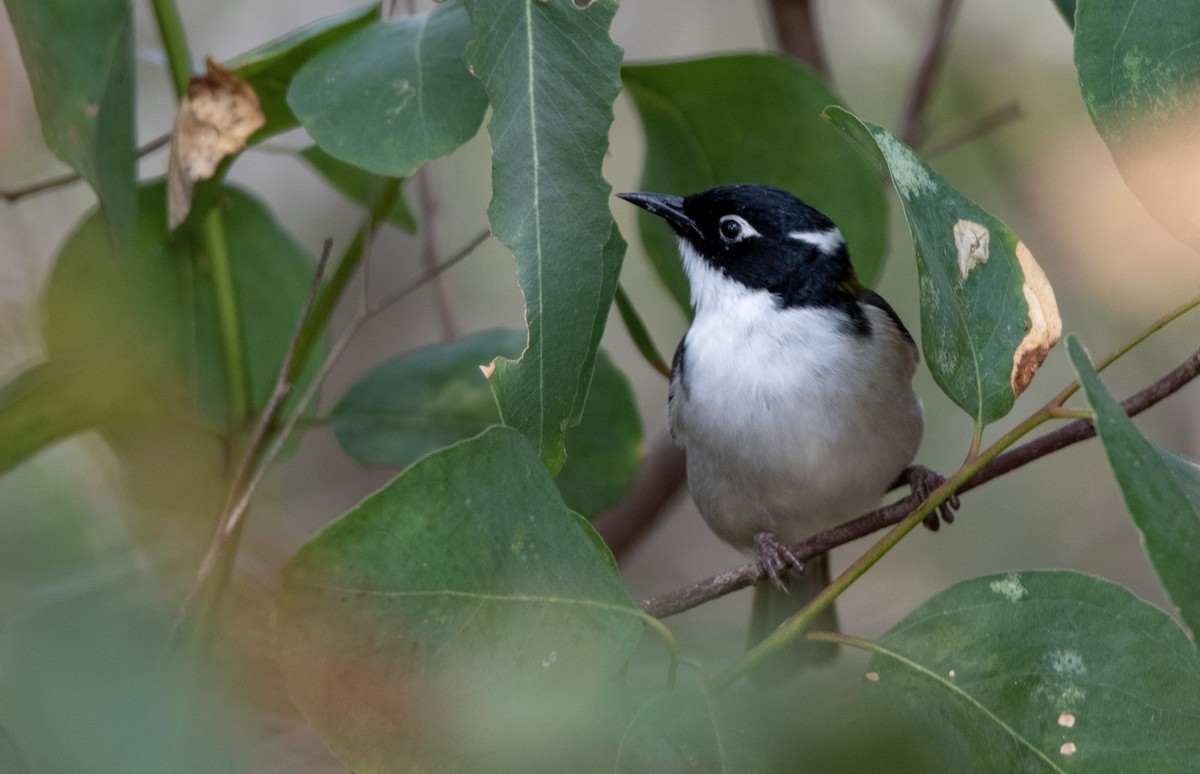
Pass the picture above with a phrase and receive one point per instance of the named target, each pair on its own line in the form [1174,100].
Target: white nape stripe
[828,242]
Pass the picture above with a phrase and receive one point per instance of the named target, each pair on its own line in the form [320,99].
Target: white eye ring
[734,228]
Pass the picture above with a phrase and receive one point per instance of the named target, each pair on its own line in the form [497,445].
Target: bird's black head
[763,238]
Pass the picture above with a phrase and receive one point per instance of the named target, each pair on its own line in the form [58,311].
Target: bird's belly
[792,450]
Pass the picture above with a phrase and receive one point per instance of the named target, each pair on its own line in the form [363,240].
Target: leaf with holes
[753,118]
[1139,71]
[461,611]
[1043,671]
[1156,490]
[551,73]
[393,95]
[988,314]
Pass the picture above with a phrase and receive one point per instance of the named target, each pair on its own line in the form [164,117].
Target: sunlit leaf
[1153,485]
[752,118]
[1043,671]
[1139,71]
[988,315]
[461,613]
[551,74]
[393,95]
[79,57]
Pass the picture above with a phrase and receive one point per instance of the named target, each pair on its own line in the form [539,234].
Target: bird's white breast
[792,422]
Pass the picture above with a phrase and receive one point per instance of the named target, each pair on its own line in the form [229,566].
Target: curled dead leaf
[971,242]
[1045,326]
[216,117]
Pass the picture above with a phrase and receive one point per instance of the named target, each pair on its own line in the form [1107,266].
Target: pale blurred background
[1048,175]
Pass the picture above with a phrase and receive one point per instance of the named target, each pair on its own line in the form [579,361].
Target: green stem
[639,334]
[792,628]
[332,292]
[170,29]
[237,379]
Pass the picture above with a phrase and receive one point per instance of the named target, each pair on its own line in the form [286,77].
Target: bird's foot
[922,481]
[776,559]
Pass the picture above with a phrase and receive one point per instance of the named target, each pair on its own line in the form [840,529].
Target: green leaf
[79,57]
[987,326]
[394,95]
[455,615]
[146,319]
[750,119]
[271,67]
[551,74]
[436,395]
[1139,71]
[1043,671]
[1168,521]
[49,402]
[357,184]
[1067,9]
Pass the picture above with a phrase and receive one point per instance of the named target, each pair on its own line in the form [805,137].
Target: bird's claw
[922,481]
[776,559]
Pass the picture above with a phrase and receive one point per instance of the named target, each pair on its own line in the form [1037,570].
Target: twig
[796,28]
[911,124]
[738,578]
[659,478]
[230,519]
[229,524]
[15,194]
[428,205]
[984,125]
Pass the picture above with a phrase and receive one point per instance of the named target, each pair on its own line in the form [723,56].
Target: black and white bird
[791,392]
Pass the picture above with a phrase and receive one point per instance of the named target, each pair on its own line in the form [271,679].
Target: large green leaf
[271,67]
[1156,497]
[551,74]
[752,118]
[357,184]
[394,95]
[460,614]
[1139,70]
[1043,671]
[988,315]
[145,322]
[436,395]
[79,57]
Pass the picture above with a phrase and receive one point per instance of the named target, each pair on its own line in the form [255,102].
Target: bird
[791,391]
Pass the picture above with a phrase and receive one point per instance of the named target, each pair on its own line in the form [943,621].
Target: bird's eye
[734,229]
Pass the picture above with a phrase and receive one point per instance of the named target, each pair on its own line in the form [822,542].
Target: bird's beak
[667,207]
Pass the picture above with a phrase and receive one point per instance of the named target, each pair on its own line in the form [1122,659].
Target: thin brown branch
[659,478]
[15,194]
[1081,429]
[430,254]
[911,124]
[796,28]
[981,127]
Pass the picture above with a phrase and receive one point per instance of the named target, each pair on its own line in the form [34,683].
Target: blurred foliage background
[65,528]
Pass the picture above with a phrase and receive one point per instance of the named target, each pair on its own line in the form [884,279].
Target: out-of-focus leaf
[49,402]
[752,118]
[1167,519]
[1139,71]
[270,67]
[147,318]
[988,315]
[457,616]
[551,73]
[393,95]
[436,395]
[357,184]
[1043,671]
[79,57]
